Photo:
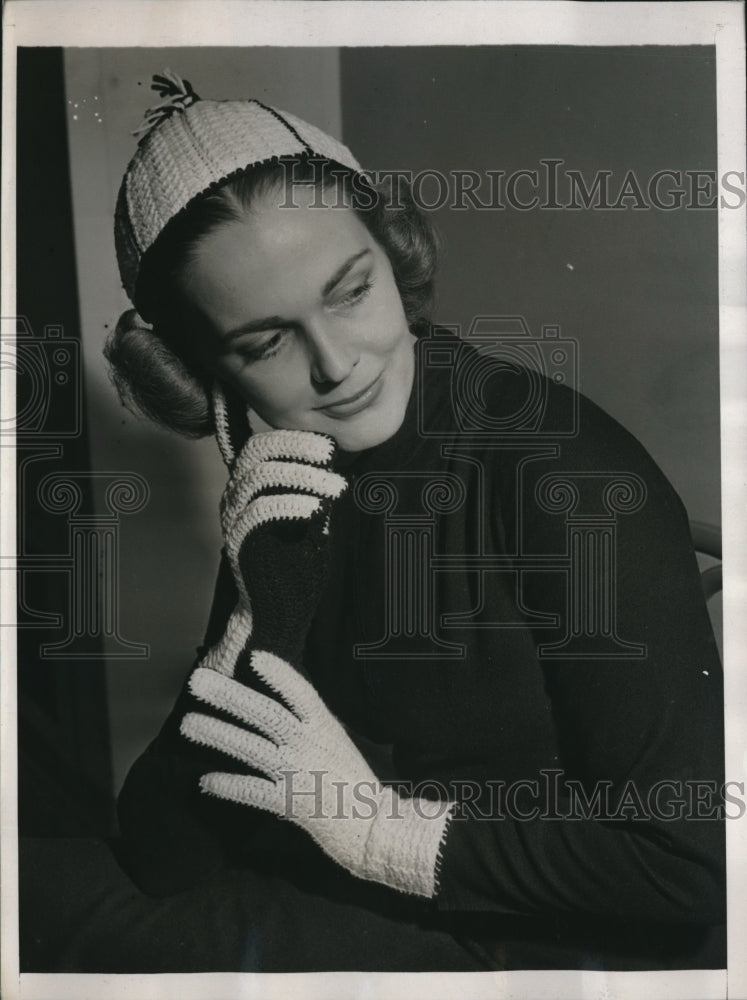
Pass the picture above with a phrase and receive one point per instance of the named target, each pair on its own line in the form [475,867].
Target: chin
[385,417]
[373,429]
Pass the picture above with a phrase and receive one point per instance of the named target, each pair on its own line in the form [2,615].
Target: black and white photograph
[373,459]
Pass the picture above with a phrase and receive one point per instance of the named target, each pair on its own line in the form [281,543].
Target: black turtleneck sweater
[513,618]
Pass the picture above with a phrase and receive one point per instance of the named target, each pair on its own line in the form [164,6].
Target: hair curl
[161,370]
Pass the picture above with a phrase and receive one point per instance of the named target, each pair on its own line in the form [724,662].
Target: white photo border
[238,23]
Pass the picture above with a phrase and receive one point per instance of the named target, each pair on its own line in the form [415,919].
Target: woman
[430,648]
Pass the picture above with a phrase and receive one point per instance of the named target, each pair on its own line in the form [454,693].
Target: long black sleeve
[624,725]
[172,836]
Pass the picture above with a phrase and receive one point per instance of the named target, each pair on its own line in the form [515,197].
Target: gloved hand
[315,776]
[275,514]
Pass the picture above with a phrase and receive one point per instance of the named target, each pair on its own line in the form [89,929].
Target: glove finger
[231,423]
[278,476]
[264,714]
[244,789]
[224,655]
[292,687]
[275,532]
[298,477]
[255,751]
[301,446]
[269,508]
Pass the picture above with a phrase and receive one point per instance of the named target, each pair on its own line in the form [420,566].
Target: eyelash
[357,294]
[263,351]
[270,347]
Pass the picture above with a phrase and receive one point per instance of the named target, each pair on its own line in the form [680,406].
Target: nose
[333,355]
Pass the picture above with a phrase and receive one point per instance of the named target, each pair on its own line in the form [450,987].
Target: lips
[351,405]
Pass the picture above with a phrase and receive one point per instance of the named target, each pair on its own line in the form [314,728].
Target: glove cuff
[403,848]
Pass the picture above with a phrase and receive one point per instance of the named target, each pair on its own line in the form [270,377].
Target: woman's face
[306,319]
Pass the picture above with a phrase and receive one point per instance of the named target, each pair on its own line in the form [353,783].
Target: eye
[357,294]
[263,350]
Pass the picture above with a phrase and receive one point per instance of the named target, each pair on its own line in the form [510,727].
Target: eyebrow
[257,325]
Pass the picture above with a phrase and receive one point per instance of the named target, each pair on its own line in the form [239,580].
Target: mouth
[351,405]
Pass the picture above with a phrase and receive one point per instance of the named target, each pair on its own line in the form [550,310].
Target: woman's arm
[274,512]
[644,727]
[171,838]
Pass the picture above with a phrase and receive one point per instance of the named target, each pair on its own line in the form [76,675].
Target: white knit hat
[187,146]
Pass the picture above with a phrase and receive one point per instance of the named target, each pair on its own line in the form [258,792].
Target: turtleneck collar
[425,410]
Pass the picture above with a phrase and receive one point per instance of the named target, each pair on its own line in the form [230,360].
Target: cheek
[387,324]
[266,396]
[275,393]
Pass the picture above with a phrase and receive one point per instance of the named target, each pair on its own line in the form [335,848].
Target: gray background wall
[641,298]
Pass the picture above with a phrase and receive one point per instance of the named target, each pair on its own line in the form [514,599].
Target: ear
[230,416]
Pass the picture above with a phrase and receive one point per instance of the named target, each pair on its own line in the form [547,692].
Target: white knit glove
[316,777]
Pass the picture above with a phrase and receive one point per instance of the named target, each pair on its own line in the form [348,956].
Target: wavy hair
[160,366]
